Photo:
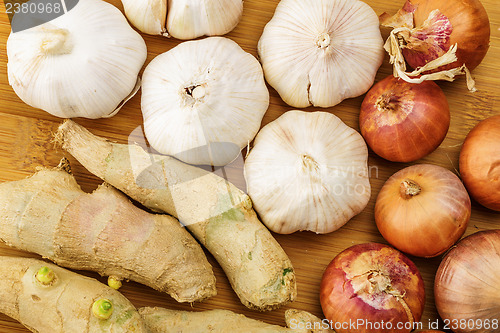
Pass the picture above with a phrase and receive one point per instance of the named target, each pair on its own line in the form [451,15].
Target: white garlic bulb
[149,16]
[307,171]
[184,19]
[84,63]
[321,52]
[188,19]
[203,101]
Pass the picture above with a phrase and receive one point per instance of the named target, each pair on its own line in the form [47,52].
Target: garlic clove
[307,171]
[84,63]
[321,52]
[188,19]
[185,19]
[203,101]
[149,16]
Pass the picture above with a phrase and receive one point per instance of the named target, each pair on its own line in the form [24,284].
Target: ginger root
[160,320]
[64,304]
[49,214]
[216,212]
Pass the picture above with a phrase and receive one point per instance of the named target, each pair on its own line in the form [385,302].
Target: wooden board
[25,144]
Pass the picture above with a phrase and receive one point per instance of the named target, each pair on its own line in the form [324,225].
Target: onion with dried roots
[423,210]
[307,171]
[375,287]
[438,38]
[466,287]
[402,121]
[321,52]
[480,163]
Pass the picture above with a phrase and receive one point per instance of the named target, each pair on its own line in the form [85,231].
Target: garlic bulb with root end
[321,52]
[188,19]
[307,171]
[84,63]
[203,101]
[149,16]
[184,19]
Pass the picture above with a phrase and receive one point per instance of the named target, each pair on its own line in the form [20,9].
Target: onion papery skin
[480,163]
[470,30]
[423,221]
[402,121]
[346,294]
[467,283]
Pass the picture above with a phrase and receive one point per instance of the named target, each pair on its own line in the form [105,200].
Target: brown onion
[467,288]
[461,22]
[402,121]
[422,210]
[480,163]
[374,286]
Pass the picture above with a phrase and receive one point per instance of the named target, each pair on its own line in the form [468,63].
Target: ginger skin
[49,214]
[64,305]
[159,320]
[216,212]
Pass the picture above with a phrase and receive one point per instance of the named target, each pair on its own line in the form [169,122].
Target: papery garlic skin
[188,19]
[185,19]
[321,52]
[203,101]
[307,171]
[149,16]
[84,63]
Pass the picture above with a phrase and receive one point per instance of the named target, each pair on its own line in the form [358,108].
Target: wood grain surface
[26,144]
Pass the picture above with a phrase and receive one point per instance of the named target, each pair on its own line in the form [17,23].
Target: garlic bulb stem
[57,42]
[198,92]
[309,164]
[323,40]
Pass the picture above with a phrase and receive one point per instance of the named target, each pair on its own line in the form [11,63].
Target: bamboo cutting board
[26,143]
